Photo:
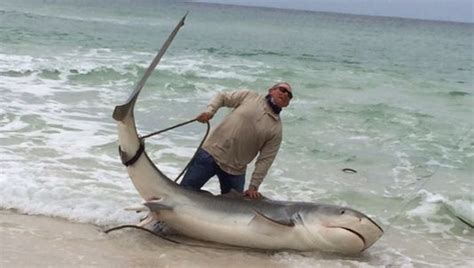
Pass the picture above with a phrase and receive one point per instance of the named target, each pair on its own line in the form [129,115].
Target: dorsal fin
[233,194]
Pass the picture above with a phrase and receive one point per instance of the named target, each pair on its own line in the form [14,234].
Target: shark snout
[350,232]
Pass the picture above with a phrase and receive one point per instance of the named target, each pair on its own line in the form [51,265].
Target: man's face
[281,95]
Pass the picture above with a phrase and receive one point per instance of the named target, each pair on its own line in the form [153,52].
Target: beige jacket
[251,128]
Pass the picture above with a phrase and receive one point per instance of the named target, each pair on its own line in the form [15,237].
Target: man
[253,127]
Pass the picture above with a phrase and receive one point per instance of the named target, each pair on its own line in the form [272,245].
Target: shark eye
[343,211]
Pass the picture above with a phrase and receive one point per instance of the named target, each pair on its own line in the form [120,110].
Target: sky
[446,10]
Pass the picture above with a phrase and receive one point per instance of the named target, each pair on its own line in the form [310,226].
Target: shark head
[339,229]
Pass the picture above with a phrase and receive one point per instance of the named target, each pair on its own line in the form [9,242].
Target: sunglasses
[284,90]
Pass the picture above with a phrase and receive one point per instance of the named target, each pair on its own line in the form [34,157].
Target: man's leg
[229,181]
[202,168]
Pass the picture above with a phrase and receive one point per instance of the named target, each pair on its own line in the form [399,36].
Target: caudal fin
[121,111]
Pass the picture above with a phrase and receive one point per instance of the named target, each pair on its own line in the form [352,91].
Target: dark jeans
[203,167]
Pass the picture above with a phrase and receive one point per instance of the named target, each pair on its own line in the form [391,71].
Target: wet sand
[37,241]
[40,241]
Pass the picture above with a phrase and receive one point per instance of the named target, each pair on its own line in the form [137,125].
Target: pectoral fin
[270,226]
[281,218]
[157,205]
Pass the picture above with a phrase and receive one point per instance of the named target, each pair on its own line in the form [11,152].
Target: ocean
[390,98]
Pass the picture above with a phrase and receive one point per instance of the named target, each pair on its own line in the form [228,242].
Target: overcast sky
[450,10]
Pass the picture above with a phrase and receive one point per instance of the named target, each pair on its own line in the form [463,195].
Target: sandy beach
[38,241]
[42,241]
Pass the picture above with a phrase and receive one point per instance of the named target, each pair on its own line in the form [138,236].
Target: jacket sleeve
[230,99]
[264,161]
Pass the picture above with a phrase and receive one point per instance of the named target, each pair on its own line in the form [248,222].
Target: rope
[176,126]
[224,247]
[140,228]
[166,129]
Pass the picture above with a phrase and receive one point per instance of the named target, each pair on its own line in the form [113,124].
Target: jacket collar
[272,109]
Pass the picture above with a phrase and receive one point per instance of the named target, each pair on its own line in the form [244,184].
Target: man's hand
[204,117]
[252,194]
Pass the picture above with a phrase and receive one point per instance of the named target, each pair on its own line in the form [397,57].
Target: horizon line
[329,12]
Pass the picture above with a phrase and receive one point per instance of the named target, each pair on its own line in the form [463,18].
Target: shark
[234,220]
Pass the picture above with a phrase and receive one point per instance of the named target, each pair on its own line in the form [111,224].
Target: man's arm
[229,99]
[262,165]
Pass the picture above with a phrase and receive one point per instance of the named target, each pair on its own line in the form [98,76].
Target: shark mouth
[372,221]
[361,237]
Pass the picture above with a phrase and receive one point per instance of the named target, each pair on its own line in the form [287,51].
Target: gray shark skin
[237,221]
